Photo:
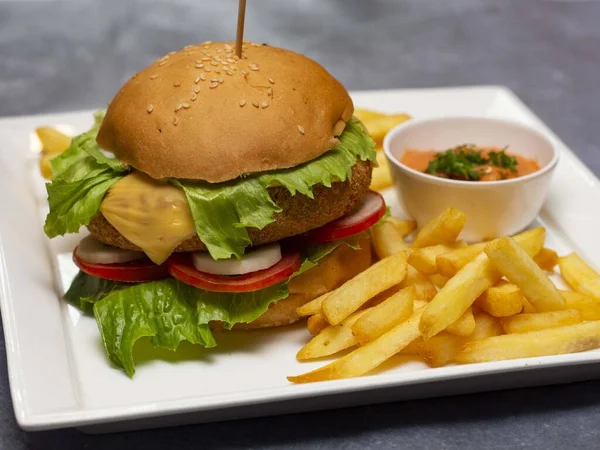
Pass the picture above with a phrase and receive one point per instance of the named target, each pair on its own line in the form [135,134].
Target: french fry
[450,263]
[458,295]
[385,316]
[381,178]
[367,357]
[580,275]
[414,348]
[528,307]
[424,287]
[522,323]
[313,307]
[354,293]
[502,300]
[379,124]
[316,323]
[424,259]
[53,141]
[444,229]
[386,239]
[547,259]
[516,265]
[588,307]
[442,348]
[438,280]
[402,226]
[331,340]
[464,326]
[552,341]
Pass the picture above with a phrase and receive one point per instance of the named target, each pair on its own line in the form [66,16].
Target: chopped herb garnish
[466,163]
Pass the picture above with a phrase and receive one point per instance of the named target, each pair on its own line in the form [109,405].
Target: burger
[219,192]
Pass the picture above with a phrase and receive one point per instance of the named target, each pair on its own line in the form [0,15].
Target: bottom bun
[335,269]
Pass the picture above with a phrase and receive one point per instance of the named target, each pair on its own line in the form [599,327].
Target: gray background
[74,54]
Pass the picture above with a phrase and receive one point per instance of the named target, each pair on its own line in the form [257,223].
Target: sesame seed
[270,92]
[199,66]
[253,66]
[206,58]
[254,44]
[225,63]
[193,96]
[229,72]
[216,71]
[175,120]
[213,85]
[301,129]
[255,103]
[245,47]
[227,47]
[196,89]
[221,80]
[244,72]
[242,101]
[214,79]
[214,63]
[153,77]
[271,80]
[264,104]
[197,79]
[150,108]
[162,63]
[178,107]
[207,42]
[177,83]
[172,53]
[231,60]
[236,57]
[198,61]
[202,76]
[186,105]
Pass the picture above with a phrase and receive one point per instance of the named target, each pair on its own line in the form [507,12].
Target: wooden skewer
[240,28]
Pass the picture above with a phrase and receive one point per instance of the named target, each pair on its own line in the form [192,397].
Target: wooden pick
[240,28]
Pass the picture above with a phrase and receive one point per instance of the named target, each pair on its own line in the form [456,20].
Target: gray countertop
[63,55]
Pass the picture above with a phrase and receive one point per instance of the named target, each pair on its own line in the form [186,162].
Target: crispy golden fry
[528,307]
[332,339]
[580,275]
[354,293]
[414,348]
[522,323]
[553,341]
[424,259]
[441,349]
[464,326]
[381,178]
[588,307]
[384,316]
[403,226]
[53,141]
[367,357]
[450,263]
[313,307]
[547,259]
[316,324]
[424,287]
[516,265]
[387,241]
[502,300]
[379,124]
[444,229]
[439,280]
[45,167]
[458,295]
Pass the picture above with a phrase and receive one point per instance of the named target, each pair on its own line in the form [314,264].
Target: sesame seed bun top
[202,113]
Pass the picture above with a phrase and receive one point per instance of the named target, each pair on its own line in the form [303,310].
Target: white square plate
[60,376]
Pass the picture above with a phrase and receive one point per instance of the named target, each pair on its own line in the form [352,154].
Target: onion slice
[91,250]
[253,261]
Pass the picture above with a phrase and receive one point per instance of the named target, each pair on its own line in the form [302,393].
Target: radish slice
[91,250]
[372,205]
[253,261]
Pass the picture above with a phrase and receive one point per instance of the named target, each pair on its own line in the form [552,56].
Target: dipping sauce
[470,163]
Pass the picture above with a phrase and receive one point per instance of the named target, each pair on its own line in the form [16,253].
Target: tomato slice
[363,217]
[136,271]
[180,265]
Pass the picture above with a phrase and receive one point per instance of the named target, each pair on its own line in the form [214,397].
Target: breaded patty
[299,212]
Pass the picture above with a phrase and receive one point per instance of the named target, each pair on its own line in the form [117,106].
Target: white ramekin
[493,208]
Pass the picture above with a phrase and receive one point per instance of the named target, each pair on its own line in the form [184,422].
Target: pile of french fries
[379,124]
[446,302]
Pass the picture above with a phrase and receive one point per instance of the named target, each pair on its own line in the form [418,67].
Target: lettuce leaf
[168,311]
[222,212]
[81,176]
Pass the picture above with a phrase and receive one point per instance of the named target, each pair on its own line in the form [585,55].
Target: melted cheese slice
[152,214]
